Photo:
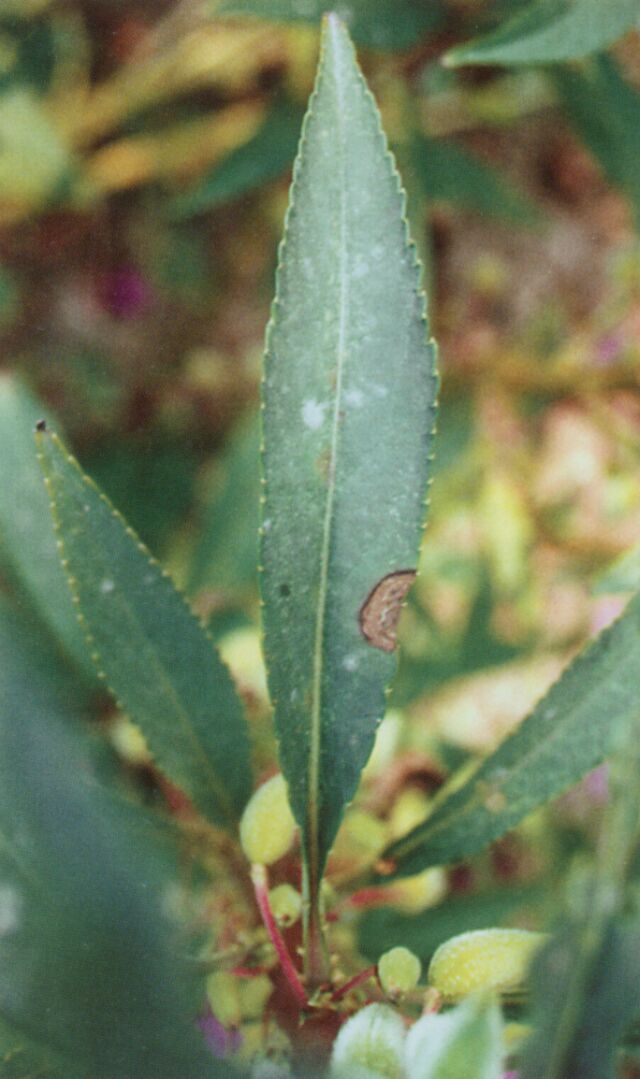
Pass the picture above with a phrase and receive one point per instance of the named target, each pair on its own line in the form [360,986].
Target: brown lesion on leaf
[380,612]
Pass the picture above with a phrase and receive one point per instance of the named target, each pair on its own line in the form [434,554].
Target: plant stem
[354,983]
[261,887]
[316,959]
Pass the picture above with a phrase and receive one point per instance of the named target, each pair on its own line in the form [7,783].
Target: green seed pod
[370,1045]
[267,826]
[496,959]
[223,997]
[286,904]
[399,971]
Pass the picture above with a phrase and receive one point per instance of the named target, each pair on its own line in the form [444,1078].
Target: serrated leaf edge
[228,810]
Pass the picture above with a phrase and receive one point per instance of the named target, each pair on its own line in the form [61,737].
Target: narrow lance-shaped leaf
[94,978]
[602,107]
[571,730]
[155,656]
[26,530]
[448,172]
[348,420]
[551,30]
[263,158]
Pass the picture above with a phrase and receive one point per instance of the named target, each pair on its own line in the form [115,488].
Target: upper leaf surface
[348,418]
[381,24]
[551,30]
[156,657]
[569,732]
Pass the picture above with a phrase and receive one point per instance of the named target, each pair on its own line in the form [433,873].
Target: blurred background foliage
[145,156]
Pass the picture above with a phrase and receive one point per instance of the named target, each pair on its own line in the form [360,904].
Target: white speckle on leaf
[266,525]
[294,696]
[350,663]
[360,269]
[354,398]
[106,586]
[10,904]
[380,391]
[313,414]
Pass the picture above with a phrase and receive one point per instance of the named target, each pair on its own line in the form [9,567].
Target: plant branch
[261,887]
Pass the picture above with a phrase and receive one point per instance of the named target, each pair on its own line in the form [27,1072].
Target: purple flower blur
[222,1041]
[125,293]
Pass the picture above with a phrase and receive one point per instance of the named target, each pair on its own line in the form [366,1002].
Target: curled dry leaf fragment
[380,612]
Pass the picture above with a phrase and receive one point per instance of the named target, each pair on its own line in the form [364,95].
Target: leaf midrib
[318,654]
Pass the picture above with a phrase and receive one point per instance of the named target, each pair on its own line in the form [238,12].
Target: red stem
[261,887]
[353,983]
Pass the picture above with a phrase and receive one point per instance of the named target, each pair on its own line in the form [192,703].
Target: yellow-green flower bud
[415,894]
[223,997]
[370,1045]
[286,904]
[496,959]
[254,994]
[399,971]
[360,840]
[267,826]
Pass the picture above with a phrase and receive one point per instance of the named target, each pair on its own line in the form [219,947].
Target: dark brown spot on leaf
[380,611]
[41,425]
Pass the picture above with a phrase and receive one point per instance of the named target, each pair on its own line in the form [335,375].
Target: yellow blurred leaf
[179,151]
[33,156]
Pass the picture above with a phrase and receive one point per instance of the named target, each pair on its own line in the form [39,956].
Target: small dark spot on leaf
[381,609]
[284,590]
[41,425]
[323,464]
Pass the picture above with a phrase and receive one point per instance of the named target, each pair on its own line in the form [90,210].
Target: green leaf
[379,930]
[33,157]
[30,51]
[26,530]
[569,732]
[94,982]
[548,31]
[22,1058]
[264,157]
[603,108]
[623,575]
[349,406]
[379,24]
[578,1027]
[462,1042]
[226,554]
[156,657]
[451,174]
